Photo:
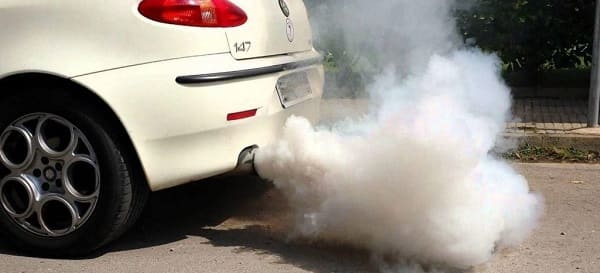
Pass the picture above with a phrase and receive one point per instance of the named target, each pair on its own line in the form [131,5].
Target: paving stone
[548,116]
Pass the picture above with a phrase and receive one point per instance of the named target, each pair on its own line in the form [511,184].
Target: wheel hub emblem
[50,174]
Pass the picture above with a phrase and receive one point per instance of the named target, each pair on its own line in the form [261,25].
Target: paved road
[238,225]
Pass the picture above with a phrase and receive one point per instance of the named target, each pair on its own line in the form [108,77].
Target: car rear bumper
[180,130]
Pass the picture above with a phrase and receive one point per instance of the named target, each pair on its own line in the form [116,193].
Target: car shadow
[207,208]
[171,214]
[201,210]
[174,214]
[308,255]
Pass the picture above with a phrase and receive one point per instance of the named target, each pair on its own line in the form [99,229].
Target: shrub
[533,35]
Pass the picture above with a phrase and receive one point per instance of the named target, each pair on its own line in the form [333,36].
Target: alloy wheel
[50,177]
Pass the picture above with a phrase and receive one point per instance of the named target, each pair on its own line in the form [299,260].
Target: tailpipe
[245,163]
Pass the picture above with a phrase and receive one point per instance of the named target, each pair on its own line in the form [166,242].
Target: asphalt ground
[241,224]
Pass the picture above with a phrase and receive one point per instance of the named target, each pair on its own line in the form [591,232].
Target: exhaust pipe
[245,163]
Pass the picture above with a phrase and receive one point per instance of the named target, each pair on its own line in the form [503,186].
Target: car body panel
[269,31]
[181,132]
[74,37]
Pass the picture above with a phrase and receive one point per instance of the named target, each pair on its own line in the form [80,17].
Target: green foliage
[541,42]
[528,152]
[533,35]
[345,68]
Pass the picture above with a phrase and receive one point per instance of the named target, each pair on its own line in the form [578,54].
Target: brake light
[198,13]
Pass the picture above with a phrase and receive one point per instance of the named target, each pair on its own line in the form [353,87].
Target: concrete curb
[584,142]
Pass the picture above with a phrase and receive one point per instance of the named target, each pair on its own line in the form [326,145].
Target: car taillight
[198,13]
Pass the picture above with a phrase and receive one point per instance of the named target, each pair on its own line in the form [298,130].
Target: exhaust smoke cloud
[413,179]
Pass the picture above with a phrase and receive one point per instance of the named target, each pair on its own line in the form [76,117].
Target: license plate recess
[293,88]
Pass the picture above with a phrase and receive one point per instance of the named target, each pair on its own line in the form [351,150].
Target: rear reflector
[198,13]
[241,115]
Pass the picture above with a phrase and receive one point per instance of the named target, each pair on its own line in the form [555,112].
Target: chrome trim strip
[239,74]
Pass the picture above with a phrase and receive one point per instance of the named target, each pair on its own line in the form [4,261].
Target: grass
[531,153]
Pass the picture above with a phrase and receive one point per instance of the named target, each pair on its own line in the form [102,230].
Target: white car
[102,102]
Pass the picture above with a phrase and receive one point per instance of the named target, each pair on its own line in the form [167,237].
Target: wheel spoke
[17,196]
[81,177]
[16,148]
[57,216]
[55,136]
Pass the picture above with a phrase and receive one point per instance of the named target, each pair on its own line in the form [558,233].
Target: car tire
[69,204]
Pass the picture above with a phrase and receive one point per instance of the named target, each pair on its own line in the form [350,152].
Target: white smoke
[414,179]
[402,33]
